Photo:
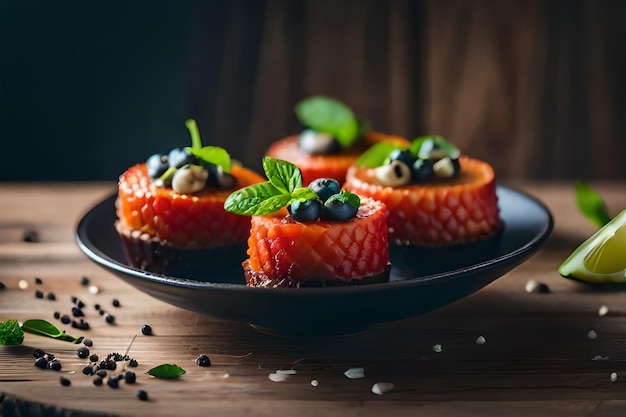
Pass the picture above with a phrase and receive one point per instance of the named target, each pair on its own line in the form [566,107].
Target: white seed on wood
[592,334]
[355,373]
[613,376]
[381,388]
[481,340]
[23,284]
[93,289]
[276,377]
[603,311]
[437,348]
[286,371]
[314,382]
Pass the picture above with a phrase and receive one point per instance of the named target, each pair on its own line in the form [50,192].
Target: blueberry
[220,179]
[325,187]
[422,170]
[305,211]
[130,377]
[402,155]
[82,352]
[338,209]
[178,157]
[142,395]
[157,164]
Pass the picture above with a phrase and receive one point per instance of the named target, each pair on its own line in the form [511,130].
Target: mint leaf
[424,145]
[591,204]
[207,154]
[167,370]
[44,328]
[345,196]
[376,155]
[285,176]
[212,155]
[11,333]
[304,194]
[327,115]
[256,200]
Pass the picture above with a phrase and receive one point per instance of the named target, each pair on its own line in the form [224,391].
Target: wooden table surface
[538,357]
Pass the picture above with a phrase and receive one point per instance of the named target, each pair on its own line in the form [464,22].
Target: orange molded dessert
[453,200]
[325,237]
[174,203]
[331,143]
[186,221]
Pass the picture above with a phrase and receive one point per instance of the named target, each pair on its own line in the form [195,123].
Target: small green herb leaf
[376,155]
[424,145]
[167,370]
[331,116]
[11,333]
[345,196]
[207,154]
[44,328]
[304,194]
[256,200]
[285,176]
[212,155]
[591,204]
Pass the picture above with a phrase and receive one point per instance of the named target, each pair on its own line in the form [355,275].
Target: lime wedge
[602,257]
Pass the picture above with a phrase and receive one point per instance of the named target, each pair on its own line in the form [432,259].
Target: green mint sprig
[328,115]
[591,205]
[376,155]
[167,371]
[284,187]
[207,154]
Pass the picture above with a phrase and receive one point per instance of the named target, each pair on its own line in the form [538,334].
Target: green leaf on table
[591,204]
[44,328]
[166,370]
[11,333]
[328,115]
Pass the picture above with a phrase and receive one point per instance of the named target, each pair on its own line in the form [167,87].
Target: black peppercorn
[65,319]
[203,360]
[146,330]
[142,395]
[113,382]
[82,352]
[130,377]
[109,318]
[38,281]
[55,365]
[97,381]
[41,362]
[51,296]
[65,382]
[101,373]
[38,294]
[84,281]
[88,370]
[116,302]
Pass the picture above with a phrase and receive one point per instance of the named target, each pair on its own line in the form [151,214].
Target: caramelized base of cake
[262,280]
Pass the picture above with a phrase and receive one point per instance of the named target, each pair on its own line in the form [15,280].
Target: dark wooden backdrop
[536,87]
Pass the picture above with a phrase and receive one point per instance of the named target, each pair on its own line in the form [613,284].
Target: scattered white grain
[93,289]
[381,388]
[23,284]
[531,286]
[286,371]
[600,358]
[355,373]
[592,334]
[481,340]
[314,382]
[437,348]
[603,311]
[613,376]
[276,377]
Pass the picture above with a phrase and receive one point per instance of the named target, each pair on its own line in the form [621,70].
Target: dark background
[87,89]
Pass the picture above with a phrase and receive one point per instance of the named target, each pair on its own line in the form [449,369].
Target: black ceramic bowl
[422,279]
